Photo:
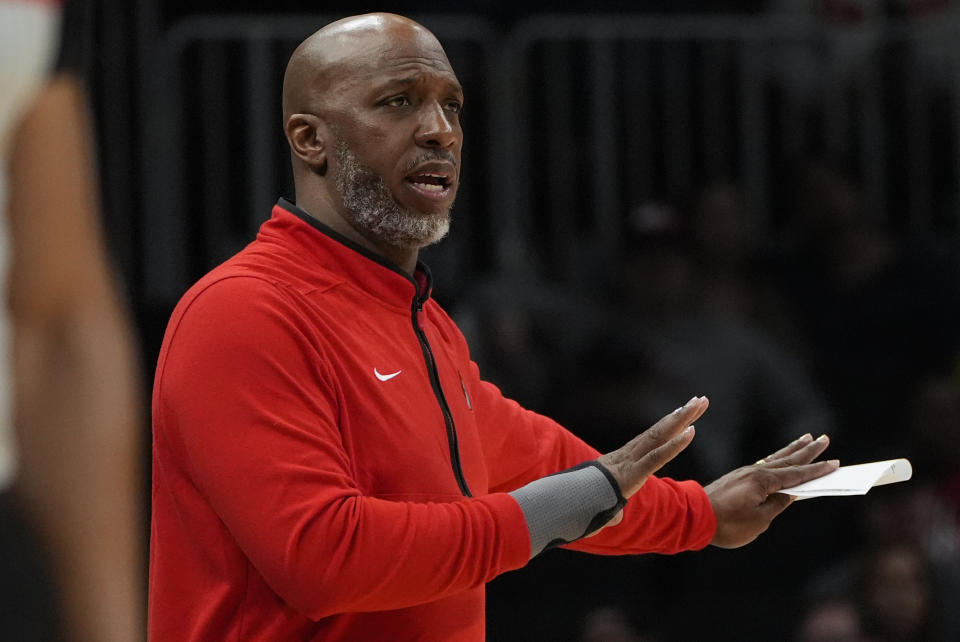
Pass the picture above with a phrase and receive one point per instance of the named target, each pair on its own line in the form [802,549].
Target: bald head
[371,111]
[346,51]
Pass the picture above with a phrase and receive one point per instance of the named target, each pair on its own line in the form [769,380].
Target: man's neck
[324,211]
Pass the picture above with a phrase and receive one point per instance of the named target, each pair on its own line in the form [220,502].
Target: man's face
[372,209]
[395,160]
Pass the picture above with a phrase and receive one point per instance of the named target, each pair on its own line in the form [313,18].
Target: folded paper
[854,480]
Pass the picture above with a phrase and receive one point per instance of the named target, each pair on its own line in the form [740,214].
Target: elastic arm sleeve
[664,516]
[568,505]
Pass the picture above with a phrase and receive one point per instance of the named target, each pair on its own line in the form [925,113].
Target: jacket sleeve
[665,516]
[248,405]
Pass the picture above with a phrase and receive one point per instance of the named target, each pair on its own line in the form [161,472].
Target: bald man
[328,463]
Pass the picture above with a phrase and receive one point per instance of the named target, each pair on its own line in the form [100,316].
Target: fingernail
[834,462]
[823,438]
[687,405]
[802,439]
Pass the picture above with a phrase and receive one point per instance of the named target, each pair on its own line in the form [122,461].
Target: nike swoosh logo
[386,377]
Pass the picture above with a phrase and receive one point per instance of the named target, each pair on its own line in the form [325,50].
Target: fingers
[649,451]
[671,425]
[661,432]
[665,439]
[746,500]
[789,449]
[659,456]
[696,406]
[632,472]
[793,475]
[800,453]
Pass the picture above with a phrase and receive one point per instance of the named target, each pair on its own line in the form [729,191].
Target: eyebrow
[413,78]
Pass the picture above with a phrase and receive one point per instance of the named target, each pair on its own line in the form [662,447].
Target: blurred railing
[571,122]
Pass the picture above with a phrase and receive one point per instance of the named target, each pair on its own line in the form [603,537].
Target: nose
[438,128]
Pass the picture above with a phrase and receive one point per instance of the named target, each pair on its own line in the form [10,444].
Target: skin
[745,500]
[77,410]
[382,85]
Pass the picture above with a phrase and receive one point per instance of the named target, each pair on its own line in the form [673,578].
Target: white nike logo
[386,377]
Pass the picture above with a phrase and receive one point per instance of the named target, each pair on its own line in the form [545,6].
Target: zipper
[438,393]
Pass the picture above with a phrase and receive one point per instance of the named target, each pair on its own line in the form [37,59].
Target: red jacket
[317,422]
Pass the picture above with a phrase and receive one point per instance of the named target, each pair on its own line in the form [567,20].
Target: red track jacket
[328,464]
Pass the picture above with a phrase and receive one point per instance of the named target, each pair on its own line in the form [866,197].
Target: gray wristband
[568,505]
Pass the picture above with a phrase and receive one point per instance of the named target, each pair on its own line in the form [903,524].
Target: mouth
[434,181]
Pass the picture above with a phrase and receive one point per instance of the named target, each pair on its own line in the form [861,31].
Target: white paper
[854,480]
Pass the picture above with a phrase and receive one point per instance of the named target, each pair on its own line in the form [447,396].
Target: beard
[375,213]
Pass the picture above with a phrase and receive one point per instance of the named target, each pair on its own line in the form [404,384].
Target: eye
[453,107]
[397,101]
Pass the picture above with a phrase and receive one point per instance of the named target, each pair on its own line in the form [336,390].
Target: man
[69,429]
[328,464]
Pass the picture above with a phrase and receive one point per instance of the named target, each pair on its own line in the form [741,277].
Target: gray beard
[376,214]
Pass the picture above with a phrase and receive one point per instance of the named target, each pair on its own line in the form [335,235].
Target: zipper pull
[466,395]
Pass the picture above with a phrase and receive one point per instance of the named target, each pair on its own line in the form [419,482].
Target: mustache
[433,155]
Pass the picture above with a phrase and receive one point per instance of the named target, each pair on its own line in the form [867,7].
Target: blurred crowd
[833,325]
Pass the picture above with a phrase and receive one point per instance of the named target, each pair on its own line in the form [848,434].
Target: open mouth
[430,183]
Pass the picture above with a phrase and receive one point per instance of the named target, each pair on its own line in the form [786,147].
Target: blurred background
[754,201]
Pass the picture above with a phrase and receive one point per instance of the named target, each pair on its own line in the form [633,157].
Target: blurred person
[879,315]
[831,620]
[610,624]
[898,596]
[328,463]
[936,424]
[68,385]
[836,40]
[897,592]
[904,566]
[525,333]
[922,520]
[926,513]
[678,321]
[668,331]
[724,251]
[735,279]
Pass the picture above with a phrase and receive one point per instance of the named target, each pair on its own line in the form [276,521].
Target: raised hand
[649,451]
[745,501]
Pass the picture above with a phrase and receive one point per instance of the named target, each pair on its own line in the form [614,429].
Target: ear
[305,134]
